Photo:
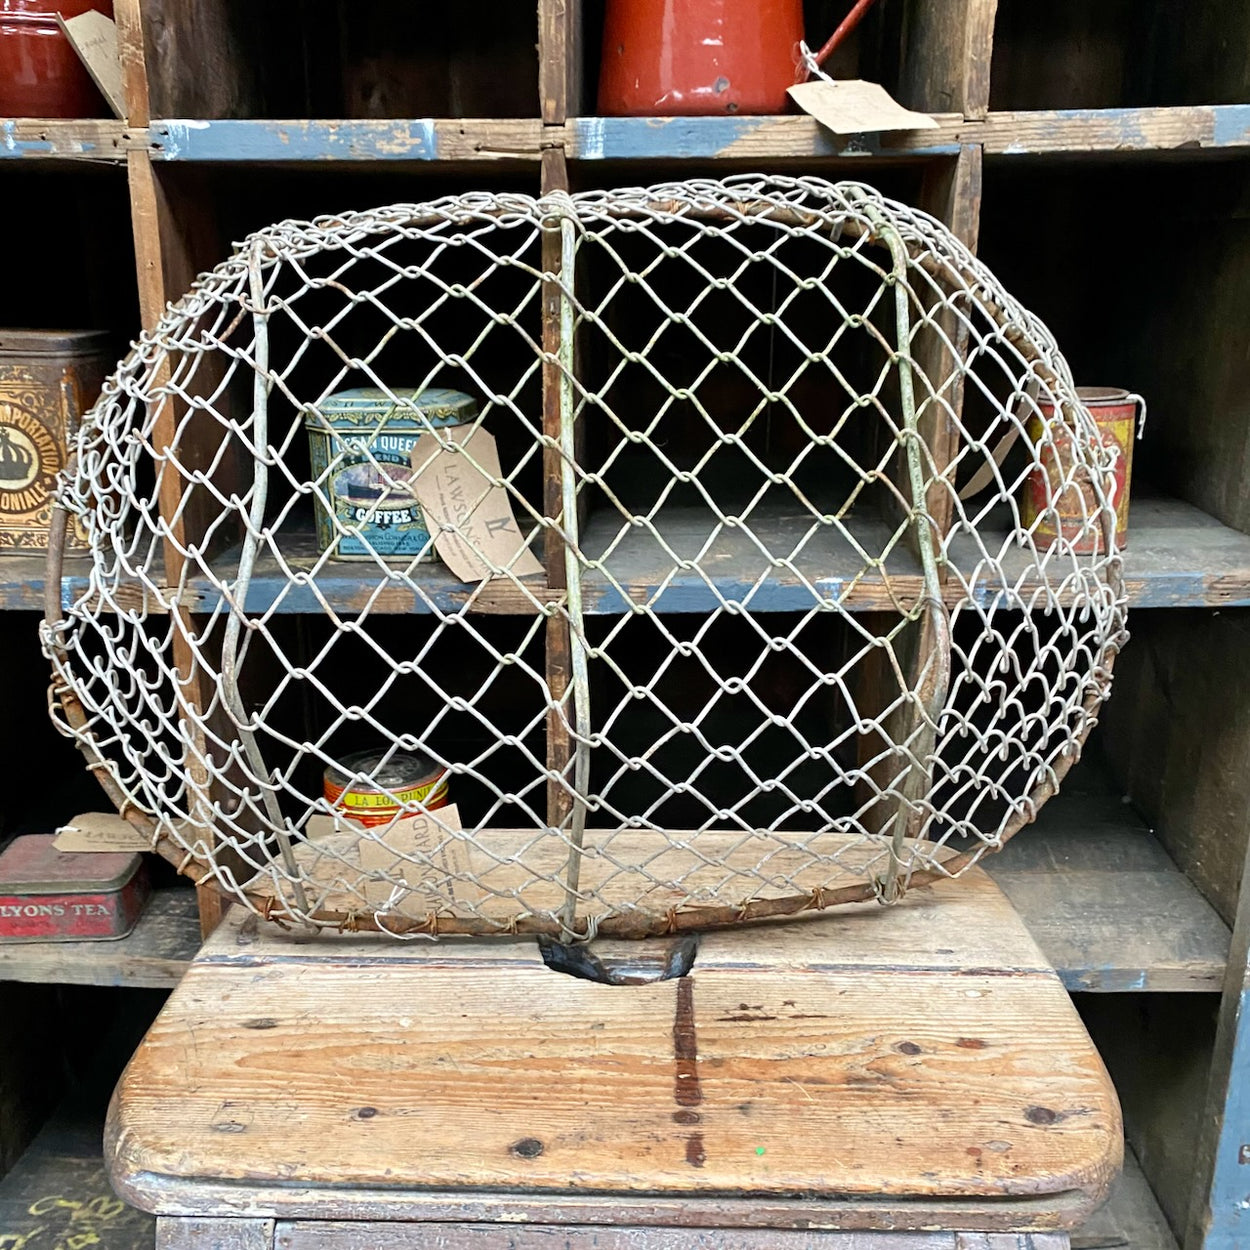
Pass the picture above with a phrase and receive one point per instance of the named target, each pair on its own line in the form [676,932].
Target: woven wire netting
[829,591]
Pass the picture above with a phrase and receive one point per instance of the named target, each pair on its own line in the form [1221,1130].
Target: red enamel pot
[40,73]
[671,57]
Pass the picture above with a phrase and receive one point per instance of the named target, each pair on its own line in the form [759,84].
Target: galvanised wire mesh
[828,593]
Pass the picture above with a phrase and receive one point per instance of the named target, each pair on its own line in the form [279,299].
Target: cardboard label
[430,887]
[852,107]
[468,514]
[100,831]
[94,38]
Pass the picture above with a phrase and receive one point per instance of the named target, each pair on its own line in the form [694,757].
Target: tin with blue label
[360,444]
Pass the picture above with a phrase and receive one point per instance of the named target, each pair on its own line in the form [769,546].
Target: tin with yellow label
[1054,503]
[370,792]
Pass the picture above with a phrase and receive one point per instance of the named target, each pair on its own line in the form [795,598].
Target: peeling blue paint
[241,140]
[1227,1215]
[12,145]
[1231,125]
[684,138]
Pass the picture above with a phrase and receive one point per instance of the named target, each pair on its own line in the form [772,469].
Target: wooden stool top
[913,1067]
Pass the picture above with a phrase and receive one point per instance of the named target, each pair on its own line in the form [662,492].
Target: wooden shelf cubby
[1096,156]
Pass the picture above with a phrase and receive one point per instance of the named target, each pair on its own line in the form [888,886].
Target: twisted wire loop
[830,573]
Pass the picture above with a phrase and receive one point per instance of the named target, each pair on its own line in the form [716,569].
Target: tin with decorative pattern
[48,379]
[360,446]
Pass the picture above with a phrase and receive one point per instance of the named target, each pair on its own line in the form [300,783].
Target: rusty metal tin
[1044,497]
[48,895]
[48,379]
[372,793]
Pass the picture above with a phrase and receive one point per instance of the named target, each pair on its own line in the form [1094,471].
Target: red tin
[48,895]
[671,57]
[1115,413]
[40,73]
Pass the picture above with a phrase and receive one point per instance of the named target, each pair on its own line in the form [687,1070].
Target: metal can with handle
[370,792]
[1050,495]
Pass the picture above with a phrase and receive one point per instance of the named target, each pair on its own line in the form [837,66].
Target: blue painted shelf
[1177,556]
[1188,130]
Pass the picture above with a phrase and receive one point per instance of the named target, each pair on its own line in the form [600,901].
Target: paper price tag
[852,107]
[429,887]
[470,517]
[100,831]
[94,37]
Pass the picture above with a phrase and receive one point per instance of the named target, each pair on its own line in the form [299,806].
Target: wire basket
[769,564]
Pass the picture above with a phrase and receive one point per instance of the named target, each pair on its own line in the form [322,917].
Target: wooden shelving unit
[1098,156]
[153,955]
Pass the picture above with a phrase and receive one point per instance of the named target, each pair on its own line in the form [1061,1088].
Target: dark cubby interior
[771,665]
[692,394]
[1139,271]
[69,263]
[48,779]
[406,678]
[1078,54]
[343,58]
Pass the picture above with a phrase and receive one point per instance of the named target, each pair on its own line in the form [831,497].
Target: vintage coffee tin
[1115,413]
[48,379]
[362,464]
[405,778]
[48,895]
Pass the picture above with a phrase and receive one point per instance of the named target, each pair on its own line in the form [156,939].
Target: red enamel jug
[40,73]
[668,57]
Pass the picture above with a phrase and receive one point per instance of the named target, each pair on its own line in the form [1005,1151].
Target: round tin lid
[53,342]
[416,409]
[402,771]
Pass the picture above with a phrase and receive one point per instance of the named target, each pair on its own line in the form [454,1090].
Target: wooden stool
[874,1078]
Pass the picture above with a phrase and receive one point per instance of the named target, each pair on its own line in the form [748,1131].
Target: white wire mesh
[786,651]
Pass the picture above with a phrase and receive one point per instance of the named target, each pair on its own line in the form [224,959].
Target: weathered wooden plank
[210,37]
[1219,1218]
[68,139]
[155,954]
[133,56]
[946,58]
[765,1071]
[1118,932]
[327,1235]
[1102,898]
[1177,556]
[744,139]
[1178,732]
[57,1195]
[559,59]
[1188,130]
[1130,1217]
[219,1234]
[422,139]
